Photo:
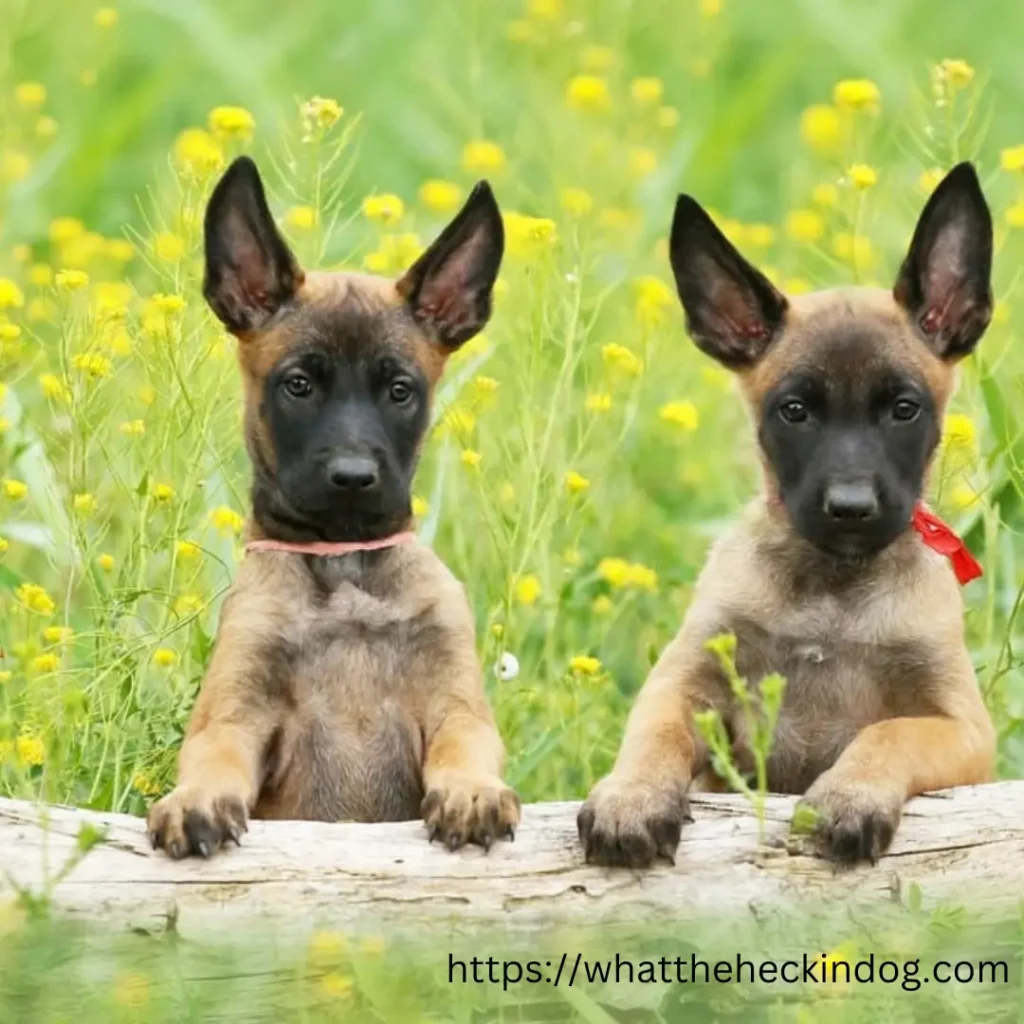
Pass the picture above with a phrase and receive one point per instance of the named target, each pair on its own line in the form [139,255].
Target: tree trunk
[965,845]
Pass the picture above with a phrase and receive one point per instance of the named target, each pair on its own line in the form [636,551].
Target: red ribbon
[939,537]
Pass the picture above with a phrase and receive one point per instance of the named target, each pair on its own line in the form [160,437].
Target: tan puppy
[823,578]
[344,682]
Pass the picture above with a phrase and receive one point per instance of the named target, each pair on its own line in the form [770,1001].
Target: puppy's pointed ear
[448,289]
[250,271]
[733,311]
[945,281]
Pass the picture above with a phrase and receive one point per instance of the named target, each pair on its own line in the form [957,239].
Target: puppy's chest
[837,683]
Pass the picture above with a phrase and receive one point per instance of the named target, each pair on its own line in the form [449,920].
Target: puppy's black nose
[353,473]
[853,502]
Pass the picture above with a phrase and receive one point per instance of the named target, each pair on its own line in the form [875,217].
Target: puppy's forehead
[853,336]
[356,317]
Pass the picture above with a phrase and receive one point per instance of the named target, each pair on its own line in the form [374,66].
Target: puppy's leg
[221,764]
[636,813]
[859,800]
[466,800]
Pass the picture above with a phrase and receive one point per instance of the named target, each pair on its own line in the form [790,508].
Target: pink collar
[345,547]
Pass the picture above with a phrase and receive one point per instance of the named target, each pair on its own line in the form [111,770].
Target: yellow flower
[43,663]
[65,229]
[4,545]
[585,665]
[520,31]
[16,166]
[856,250]
[929,180]
[653,298]
[602,605]
[642,161]
[857,94]
[526,236]
[54,388]
[105,17]
[84,504]
[87,78]
[15,489]
[826,196]
[647,91]
[461,422]
[614,570]
[680,414]
[231,122]
[302,218]
[1015,216]
[131,990]
[198,153]
[35,598]
[506,493]
[322,111]
[1001,312]
[667,117]
[147,394]
[92,364]
[168,304]
[963,496]
[621,358]
[420,506]
[527,589]
[144,784]
[10,294]
[187,550]
[57,634]
[861,176]
[598,401]
[162,492]
[805,225]
[326,947]
[105,561]
[227,520]
[710,8]
[642,577]
[387,208]
[821,128]
[133,428]
[169,247]
[29,749]
[545,10]
[47,127]
[40,275]
[483,387]
[396,253]
[6,675]
[71,280]
[1012,159]
[957,72]
[576,202]
[120,249]
[470,459]
[373,946]
[959,431]
[598,58]
[164,657]
[440,196]
[336,986]
[31,95]
[575,483]
[188,604]
[483,157]
[797,286]
[588,92]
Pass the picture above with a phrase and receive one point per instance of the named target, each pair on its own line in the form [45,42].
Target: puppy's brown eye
[905,409]
[297,385]
[400,392]
[793,411]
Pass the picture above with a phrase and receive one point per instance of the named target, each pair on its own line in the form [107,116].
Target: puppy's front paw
[630,824]
[461,809]
[854,820]
[190,820]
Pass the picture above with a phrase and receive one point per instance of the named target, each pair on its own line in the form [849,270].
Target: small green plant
[760,711]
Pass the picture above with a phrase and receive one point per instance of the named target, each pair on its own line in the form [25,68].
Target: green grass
[94,717]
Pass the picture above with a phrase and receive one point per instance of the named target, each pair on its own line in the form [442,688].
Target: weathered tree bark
[965,845]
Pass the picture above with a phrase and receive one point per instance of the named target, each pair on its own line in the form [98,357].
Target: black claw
[454,841]
[511,833]
[204,848]
[175,849]
[486,841]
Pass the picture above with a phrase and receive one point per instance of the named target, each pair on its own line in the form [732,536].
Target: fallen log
[964,845]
